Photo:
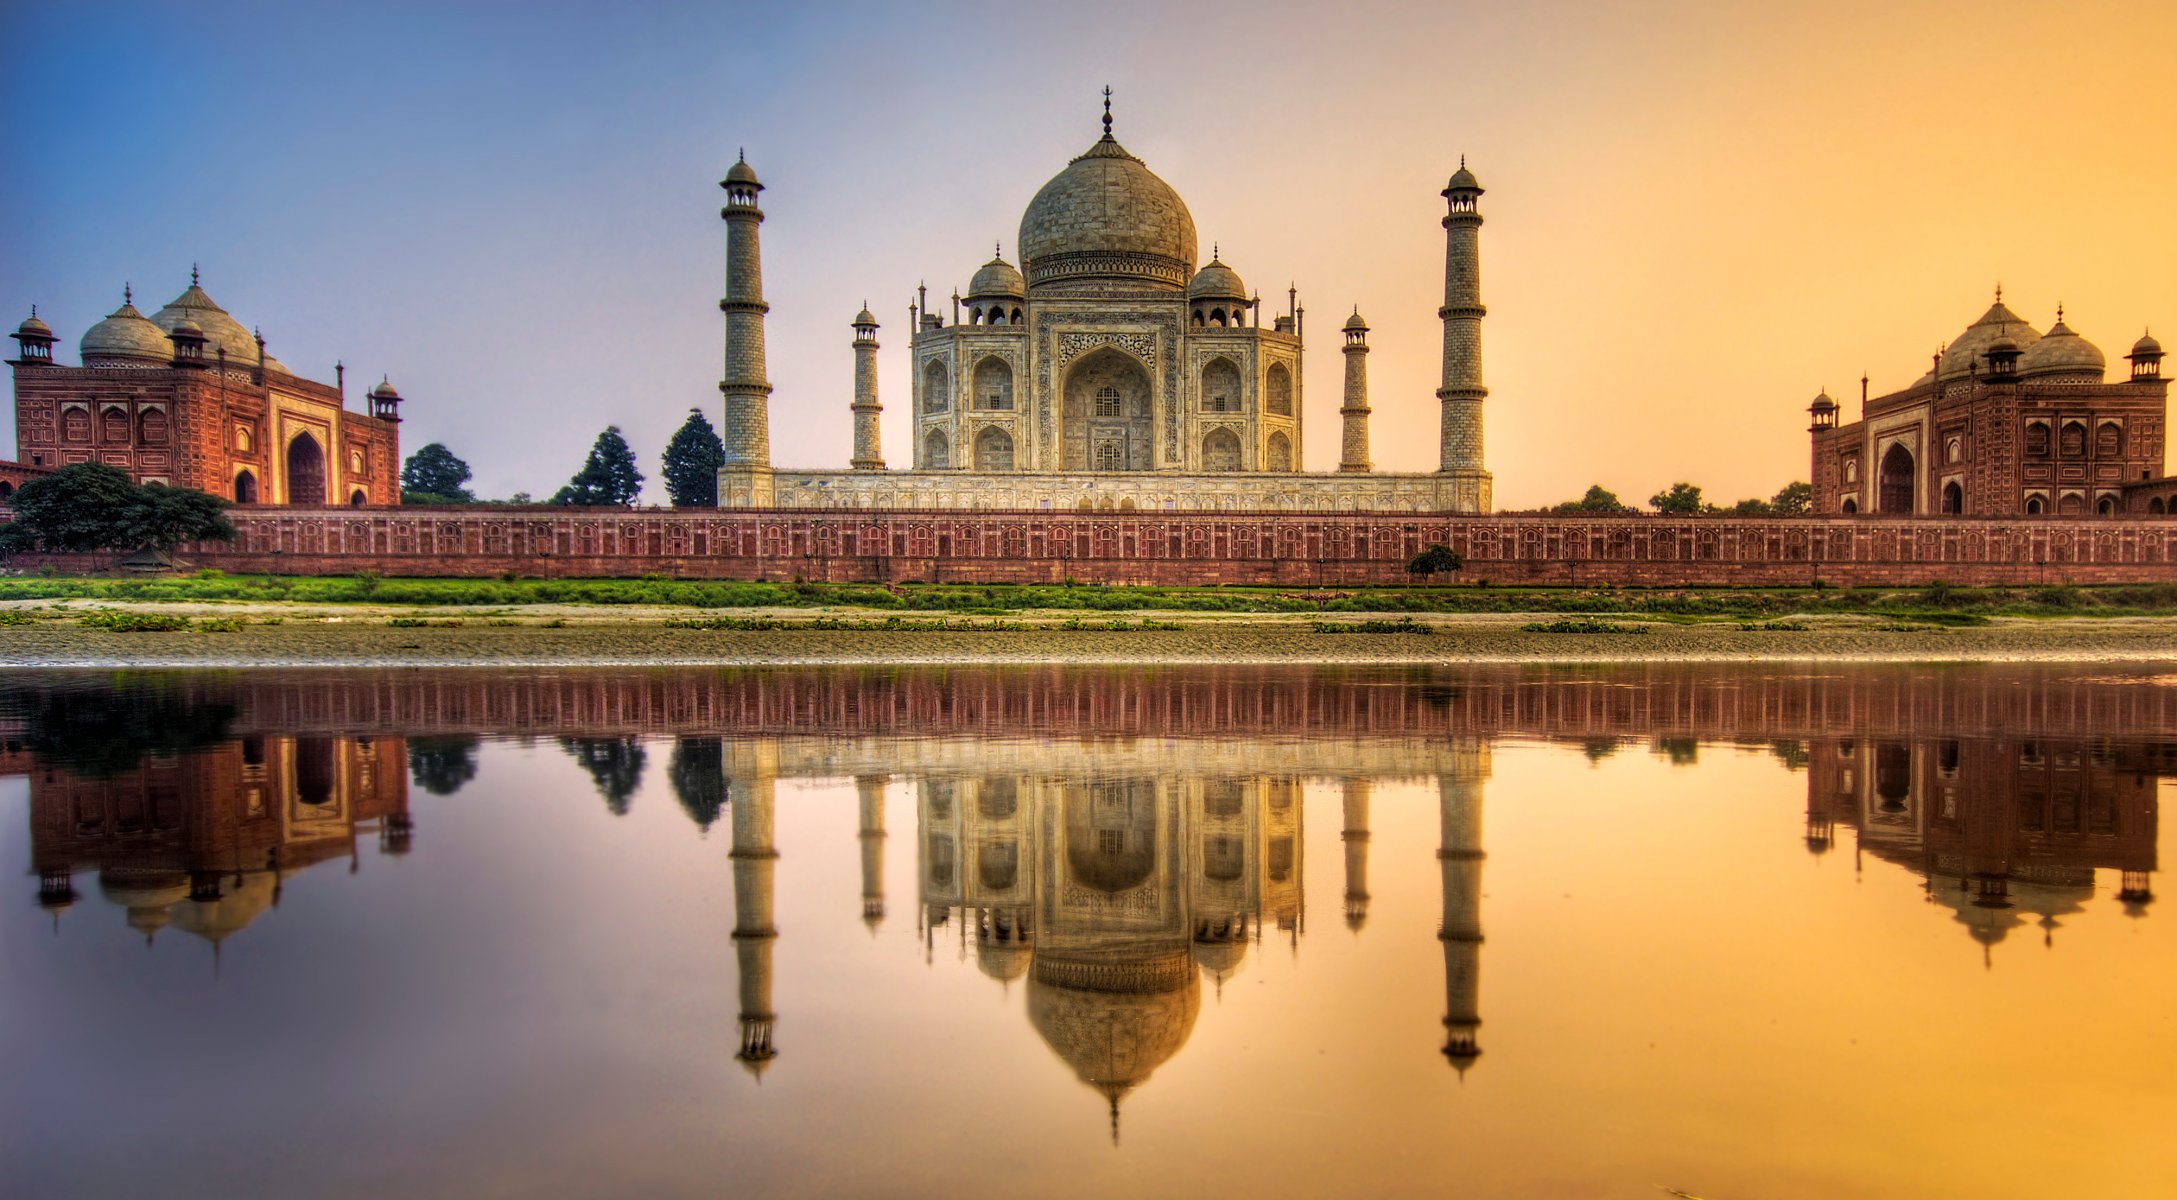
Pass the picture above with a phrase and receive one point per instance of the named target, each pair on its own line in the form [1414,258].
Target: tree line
[608,477]
[1683,499]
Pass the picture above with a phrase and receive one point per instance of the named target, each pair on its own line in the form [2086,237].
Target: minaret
[1460,856]
[1356,840]
[1462,393]
[753,934]
[744,479]
[867,455]
[1353,455]
[870,791]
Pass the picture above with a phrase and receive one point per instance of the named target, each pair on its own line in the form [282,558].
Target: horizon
[518,224]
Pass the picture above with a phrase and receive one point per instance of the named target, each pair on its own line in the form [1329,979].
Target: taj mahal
[1111,369]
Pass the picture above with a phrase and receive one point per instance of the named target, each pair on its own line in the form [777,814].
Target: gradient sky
[1698,214]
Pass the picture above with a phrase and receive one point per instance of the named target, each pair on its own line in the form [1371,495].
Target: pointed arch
[305,470]
[1277,389]
[993,450]
[1894,488]
[936,451]
[1221,451]
[1278,453]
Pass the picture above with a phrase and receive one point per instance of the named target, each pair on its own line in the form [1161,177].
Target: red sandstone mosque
[189,397]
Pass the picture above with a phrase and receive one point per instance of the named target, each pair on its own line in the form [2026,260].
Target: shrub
[132,622]
[1580,626]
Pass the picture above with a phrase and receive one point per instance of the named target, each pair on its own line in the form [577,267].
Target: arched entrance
[1278,455]
[357,498]
[993,450]
[1894,487]
[1221,451]
[305,471]
[936,451]
[1105,422]
[245,487]
[1953,497]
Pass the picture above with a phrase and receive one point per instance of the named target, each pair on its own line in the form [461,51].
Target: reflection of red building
[2003,829]
[203,840]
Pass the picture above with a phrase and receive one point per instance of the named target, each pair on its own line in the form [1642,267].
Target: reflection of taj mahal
[1108,370]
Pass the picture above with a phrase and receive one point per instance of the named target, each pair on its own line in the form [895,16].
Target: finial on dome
[192,274]
[997,249]
[1107,110]
[1999,292]
[1462,160]
[1215,255]
[2059,312]
[128,294]
[33,310]
[743,152]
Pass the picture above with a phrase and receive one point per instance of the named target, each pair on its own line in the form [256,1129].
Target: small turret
[33,341]
[189,340]
[2146,359]
[385,403]
[1824,412]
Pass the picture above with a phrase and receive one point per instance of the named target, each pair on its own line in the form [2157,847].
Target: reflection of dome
[997,278]
[147,895]
[1968,353]
[215,920]
[126,335]
[221,330]
[1114,1039]
[1107,216]
[1222,959]
[2062,352]
[1002,961]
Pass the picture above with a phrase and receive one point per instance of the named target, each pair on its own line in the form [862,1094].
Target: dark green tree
[1793,500]
[1599,499]
[85,507]
[1434,559]
[698,772]
[441,765]
[435,475]
[608,478]
[615,764]
[691,463]
[1678,500]
[1751,507]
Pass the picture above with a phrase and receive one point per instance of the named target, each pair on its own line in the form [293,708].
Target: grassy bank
[1960,604]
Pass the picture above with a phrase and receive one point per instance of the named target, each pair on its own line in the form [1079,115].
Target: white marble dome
[221,330]
[1968,352]
[997,278]
[1107,217]
[125,338]
[2063,354]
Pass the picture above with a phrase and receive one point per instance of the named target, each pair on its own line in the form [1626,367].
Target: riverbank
[53,634]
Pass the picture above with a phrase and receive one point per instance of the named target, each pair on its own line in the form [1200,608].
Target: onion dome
[1113,1039]
[147,895]
[1462,180]
[1106,218]
[216,920]
[384,391]
[1216,282]
[1822,403]
[125,337]
[221,330]
[2145,346]
[1002,961]
[187,330]
[33,327]
[1354,323]
[865,317]
[997,278]
[741,172]
[2060,352]
[1968,351]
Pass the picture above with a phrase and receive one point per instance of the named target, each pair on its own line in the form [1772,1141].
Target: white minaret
[744,479]
[867,455]
[1460,436]
[1353,454]
[1460,856]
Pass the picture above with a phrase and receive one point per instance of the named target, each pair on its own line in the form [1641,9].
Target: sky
[1698,214]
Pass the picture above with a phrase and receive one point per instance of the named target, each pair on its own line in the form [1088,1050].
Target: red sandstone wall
[1329,550]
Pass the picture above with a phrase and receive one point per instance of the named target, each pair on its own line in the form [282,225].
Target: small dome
[126,335]
[384,390]
[187,329]
[1354,323]
[1822,402]
[740,172]
[1113,1040]
[2062,352]
[229,914]
[2002,345]
[221,330]
[865,317]
[1968,352]
[2145,346]
[997,278]
[1462,180]
[1002,961]
[1216,282]
[33,327]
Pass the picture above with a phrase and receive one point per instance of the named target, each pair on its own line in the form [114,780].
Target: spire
[128,294]
[1107,133]
[1999,291]
[192,274]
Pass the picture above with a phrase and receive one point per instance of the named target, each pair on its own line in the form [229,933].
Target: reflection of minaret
[753,934]
[1460,855]
[1356,839]
[870,790]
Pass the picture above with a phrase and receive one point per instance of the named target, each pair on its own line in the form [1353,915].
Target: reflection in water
[1114,843]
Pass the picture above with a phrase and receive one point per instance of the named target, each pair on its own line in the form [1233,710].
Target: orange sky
[1698,214]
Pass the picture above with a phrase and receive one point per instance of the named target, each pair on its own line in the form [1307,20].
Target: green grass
[1398,625]
[133,622]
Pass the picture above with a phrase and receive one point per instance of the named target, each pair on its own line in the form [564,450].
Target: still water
[1754,932]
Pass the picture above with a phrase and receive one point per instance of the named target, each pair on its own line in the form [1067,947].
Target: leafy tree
[441,765]
[1680,499]
[691,463]
[1794,500]
[607,478]
[1599,499]
[85,507]
[1435,558]
[435,475]
[1751,508]
[616,764]
[698,772]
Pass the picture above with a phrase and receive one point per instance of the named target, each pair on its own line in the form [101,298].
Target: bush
[1582,626]
[132,622]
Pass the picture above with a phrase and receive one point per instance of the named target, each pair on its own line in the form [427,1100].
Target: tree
[1680,499]
[698,772]
[691,463]
[1435,558]
[1598,500]
[1793,500]
[85,507]
[1751,508]
[435,475]
[607,478]
[614,764]
[442,764]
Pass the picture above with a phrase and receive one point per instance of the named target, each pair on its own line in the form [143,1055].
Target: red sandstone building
[189,397]
[2007,422]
